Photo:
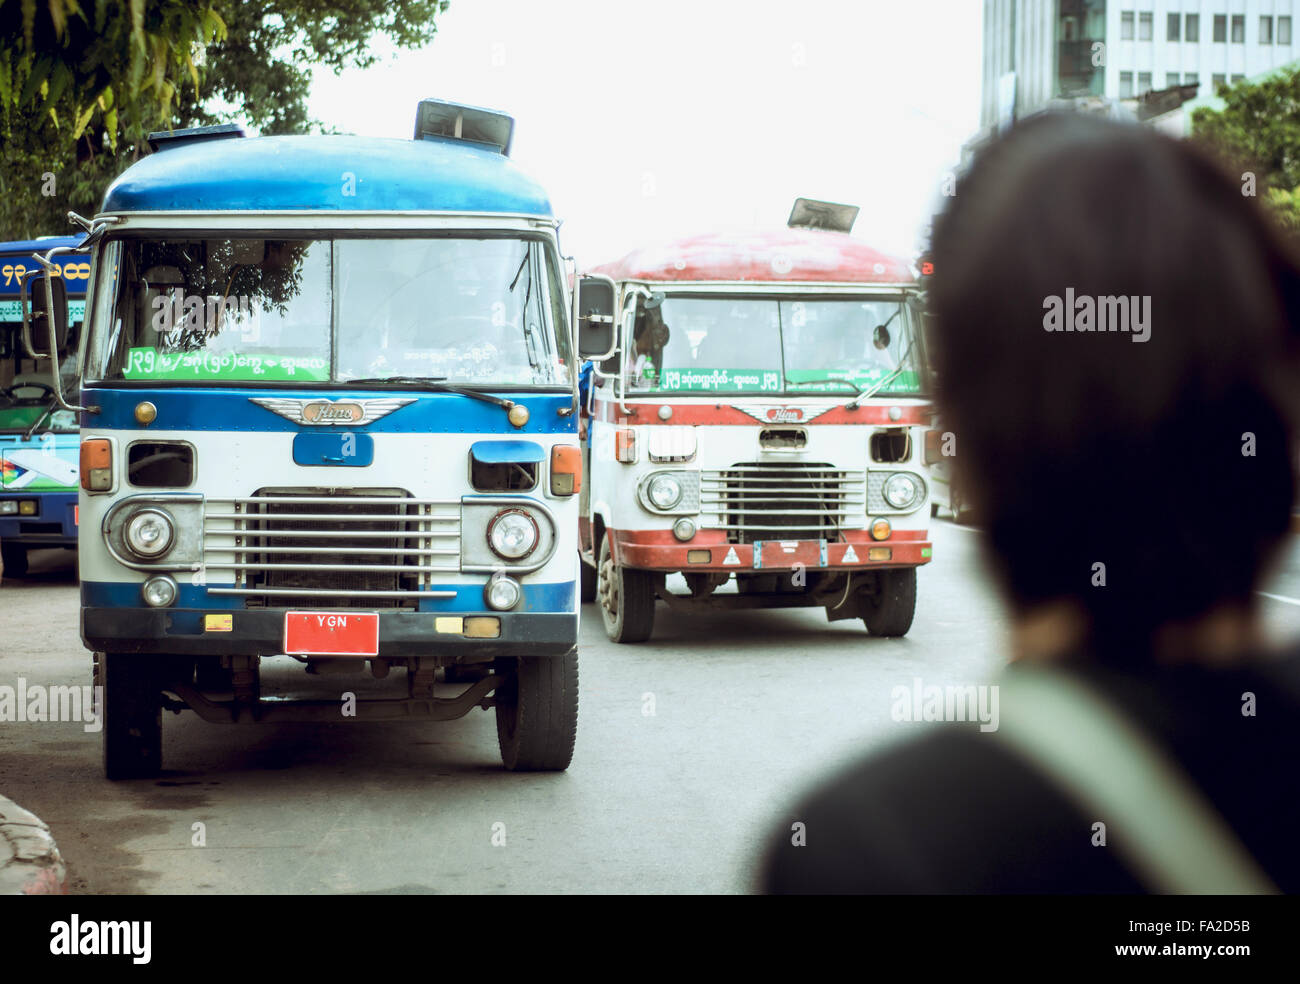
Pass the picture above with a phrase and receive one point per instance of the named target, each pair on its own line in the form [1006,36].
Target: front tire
[14,558]
[537,713]
[131,716]
[586,581]
[891,609]
[627,599]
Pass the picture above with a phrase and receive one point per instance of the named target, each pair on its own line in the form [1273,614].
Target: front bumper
[708,551]
[53,525]
[179,631]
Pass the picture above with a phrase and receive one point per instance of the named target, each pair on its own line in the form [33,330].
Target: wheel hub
[607,588]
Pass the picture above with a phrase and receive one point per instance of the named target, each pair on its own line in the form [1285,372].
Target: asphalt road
[691,749]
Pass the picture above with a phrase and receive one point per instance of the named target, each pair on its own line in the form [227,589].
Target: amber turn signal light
[566,469]
[96,464]
[625,445]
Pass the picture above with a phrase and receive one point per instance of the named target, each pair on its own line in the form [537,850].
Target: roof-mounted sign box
[808,213]
[166,139]
[451,121]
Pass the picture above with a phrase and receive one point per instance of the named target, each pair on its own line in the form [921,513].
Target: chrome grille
[330,548]
[782,501]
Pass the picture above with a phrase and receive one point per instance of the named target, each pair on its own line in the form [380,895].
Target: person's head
[1143,473]
[650,331]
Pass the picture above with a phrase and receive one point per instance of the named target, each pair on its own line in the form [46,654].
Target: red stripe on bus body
[718,538]
[696,414]
[647,550]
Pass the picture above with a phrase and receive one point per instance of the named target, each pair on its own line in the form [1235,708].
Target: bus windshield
[27,401]
[474,311]
[693,343]
[27,405]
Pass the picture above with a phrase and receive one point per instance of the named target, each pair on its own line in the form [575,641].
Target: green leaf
[110,126]
[60,78]
[29,21]
[80,126]
[194,74]
[40,72]
[137,23]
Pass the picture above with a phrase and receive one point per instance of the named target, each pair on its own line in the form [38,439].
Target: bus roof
[29,246]
[334,173]
[784,256]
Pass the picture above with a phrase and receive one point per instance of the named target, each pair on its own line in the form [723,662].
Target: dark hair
[1078,448]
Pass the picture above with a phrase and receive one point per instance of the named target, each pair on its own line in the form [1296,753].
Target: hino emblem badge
[783,415]
[326,413]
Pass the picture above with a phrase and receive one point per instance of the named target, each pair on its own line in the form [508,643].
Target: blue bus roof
[318,172]
[29,246]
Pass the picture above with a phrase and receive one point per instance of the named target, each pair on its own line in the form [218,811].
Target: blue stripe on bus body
[229,409]
[468,599]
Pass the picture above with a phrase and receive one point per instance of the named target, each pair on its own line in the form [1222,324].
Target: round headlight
[900,491]
[503,593]
[512,534]
[159,592]
[684,529]
[149,533]
[664,491]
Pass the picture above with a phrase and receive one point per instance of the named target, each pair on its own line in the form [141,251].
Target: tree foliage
[83,82]
[1258,133]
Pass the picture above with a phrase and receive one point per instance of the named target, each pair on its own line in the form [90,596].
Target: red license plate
[331,634]
[778,554]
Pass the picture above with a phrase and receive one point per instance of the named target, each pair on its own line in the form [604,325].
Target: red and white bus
[758,418]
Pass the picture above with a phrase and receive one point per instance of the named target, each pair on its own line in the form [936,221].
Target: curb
[30,863]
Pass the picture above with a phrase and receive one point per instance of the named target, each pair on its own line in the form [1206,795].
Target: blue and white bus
[38,438]
[328,414]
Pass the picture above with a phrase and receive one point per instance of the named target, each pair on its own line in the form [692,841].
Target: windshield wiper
[434,383]
[37,422]
[880,384]
[889,377]
[903,363]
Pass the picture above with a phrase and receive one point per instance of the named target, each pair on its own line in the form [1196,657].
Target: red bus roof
[784,256]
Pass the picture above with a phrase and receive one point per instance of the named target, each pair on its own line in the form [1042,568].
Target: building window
[1191,78]
[1079,28]
[1144,82]
[1238,28]
[1266,30]
[1220,28]
[1218,81]
[1173,28]
[1171,80]
[1284,30]
[1238,78]
[1126,85]
[1126,26]
[1146,27]
[1193,32]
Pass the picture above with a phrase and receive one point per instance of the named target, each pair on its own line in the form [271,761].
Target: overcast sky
[650,121]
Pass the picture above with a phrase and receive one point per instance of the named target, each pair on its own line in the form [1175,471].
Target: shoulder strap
[1173,839]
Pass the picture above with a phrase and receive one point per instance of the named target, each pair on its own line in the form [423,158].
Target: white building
[1036,51]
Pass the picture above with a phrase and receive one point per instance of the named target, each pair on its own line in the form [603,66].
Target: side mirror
[881,337]
[595,317]
[44,301]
